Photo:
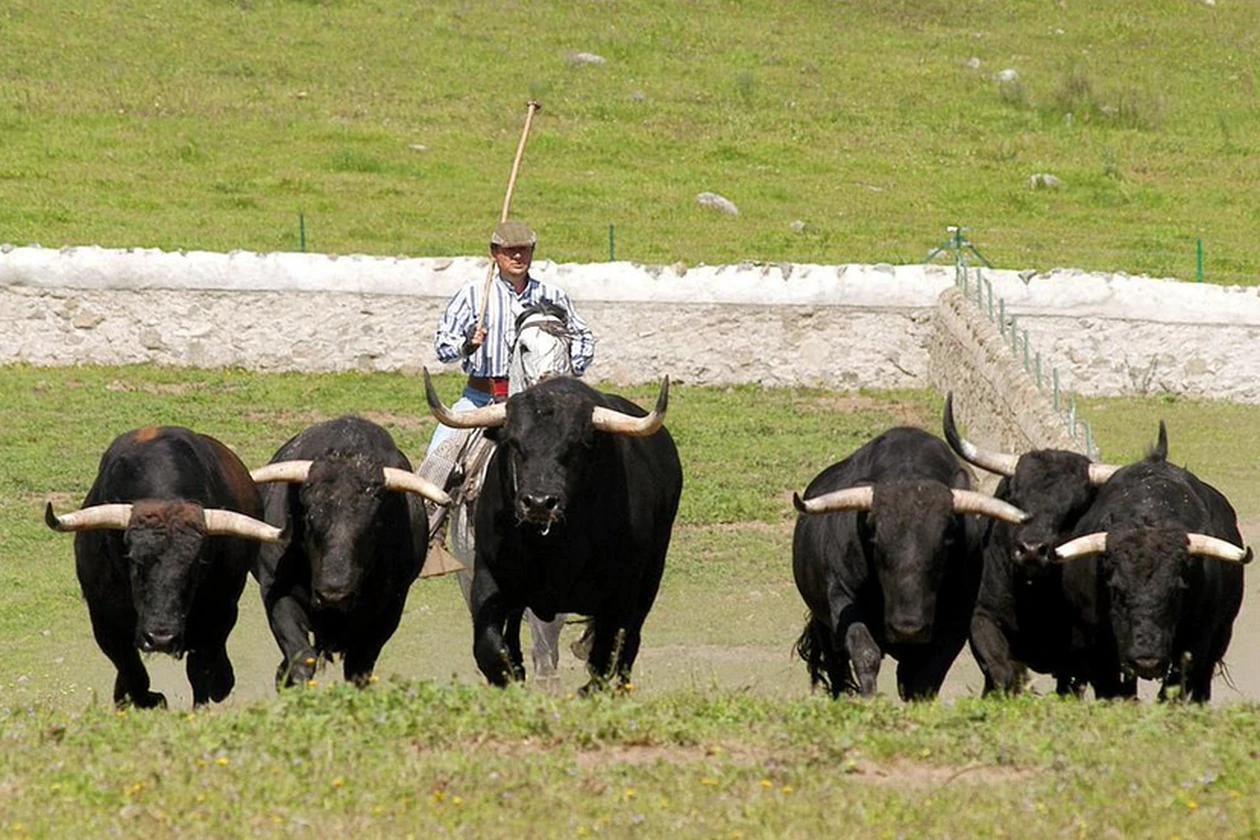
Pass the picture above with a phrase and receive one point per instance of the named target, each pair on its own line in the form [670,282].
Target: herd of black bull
[1097,575]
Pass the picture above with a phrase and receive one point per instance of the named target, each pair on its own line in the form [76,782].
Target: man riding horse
[506,334]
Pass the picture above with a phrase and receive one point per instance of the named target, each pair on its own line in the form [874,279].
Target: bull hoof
[297,673]
[148,700]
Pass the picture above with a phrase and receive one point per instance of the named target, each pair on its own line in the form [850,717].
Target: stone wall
[996,402]
[842,326]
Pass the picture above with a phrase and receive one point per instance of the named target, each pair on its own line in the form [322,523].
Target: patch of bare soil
[905,774]
[119,386]
[406,422]
[905,413]
[741,527]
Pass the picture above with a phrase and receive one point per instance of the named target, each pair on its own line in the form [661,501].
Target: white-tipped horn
[232,524]
[850,498]
[292,472]
[97,517]
[969,501]
[1206,546]
[619,423]
[408,482]
[1095,543]
[1002,463]
[479,418]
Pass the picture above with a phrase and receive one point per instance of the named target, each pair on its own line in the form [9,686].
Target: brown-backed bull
[1021,620]
[1154,576]
[359,531]
[163,544]
[888,562]
[575,516]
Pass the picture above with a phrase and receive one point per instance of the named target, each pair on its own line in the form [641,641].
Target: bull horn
[293,472]
[1095,543]
[1002,463]
[96,517]
[850,498]
[1099,473]
[1206,546]
[232,524]
[409,482]
[969,501]
[619,423]
[487,417]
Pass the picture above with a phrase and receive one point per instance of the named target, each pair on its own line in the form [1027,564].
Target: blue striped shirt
[491,358]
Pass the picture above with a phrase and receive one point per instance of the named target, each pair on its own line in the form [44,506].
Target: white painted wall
[839,326]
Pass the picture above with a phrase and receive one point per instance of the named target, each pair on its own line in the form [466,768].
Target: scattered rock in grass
[585,58]
[716,202]
[798,226]
[973,63]
[1044,181]
[1008,75]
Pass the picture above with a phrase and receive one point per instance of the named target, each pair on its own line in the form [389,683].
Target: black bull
[575,516]
[163,544]
[1154,578]
[887,562]
[359,535]
[1021,620]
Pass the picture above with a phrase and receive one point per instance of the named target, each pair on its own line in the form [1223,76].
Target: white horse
[541,350]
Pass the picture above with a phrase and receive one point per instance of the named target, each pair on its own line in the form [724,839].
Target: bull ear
[113,517]
[292,472]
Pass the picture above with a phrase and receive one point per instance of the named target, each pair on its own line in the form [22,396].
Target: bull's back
[347,435]
[904,453]
[172,462]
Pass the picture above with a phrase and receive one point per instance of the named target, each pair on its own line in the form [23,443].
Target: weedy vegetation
[719,737]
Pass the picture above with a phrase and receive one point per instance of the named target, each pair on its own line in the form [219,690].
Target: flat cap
[513,234]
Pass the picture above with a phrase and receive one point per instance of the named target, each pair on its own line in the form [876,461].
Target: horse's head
[541,349]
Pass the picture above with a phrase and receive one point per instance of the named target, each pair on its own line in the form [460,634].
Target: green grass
[391,126]
[419,758]
[720,736]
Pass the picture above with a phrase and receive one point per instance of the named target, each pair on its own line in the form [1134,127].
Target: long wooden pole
[507,203]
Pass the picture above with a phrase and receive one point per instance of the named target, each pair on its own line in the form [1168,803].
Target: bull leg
[545,639]
[491,649]
[920,674]
[606,649]
[993,654]
[114,634]
[865,655]
[210,674]
[359,663]
[291,627]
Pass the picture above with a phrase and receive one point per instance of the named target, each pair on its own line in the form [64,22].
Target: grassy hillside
[391,127]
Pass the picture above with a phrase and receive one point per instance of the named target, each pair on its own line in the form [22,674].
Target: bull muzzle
[336,600]
[1033,554]
[161,640]
[1148,667]
[908,631]
[539,508]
